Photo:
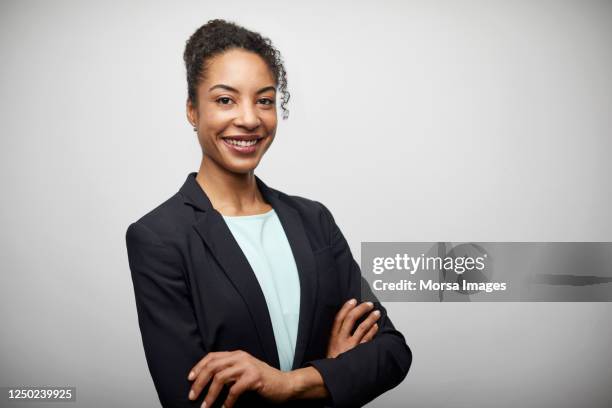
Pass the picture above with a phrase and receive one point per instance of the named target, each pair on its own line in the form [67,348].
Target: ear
[192,113]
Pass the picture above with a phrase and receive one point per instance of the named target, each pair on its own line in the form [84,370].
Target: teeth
[241,142]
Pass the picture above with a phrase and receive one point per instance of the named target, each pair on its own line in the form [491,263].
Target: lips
[242,144]
[247,138]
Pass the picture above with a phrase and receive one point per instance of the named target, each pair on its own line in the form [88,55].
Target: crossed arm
[360,365]
[245,372]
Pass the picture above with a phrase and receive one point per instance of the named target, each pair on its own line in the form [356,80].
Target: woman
[247,296]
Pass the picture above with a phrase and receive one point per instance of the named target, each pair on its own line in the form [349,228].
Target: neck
[230,193]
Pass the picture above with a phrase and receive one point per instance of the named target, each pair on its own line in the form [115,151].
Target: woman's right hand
[341,339]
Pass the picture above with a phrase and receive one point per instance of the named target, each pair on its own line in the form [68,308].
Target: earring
[195,129]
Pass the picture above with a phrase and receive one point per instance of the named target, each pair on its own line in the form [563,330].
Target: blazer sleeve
[361,374]
[170,335]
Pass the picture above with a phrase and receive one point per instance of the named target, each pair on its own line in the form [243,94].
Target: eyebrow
[229,88]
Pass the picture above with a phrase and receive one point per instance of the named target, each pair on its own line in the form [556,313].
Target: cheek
[269,121]
[216,120]
[212,126]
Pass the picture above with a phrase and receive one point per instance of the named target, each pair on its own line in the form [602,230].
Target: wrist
[306,383]
[295,383]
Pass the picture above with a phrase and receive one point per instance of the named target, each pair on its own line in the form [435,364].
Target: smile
[242,142]
[242,146]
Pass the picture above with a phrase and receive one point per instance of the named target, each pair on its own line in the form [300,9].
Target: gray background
[427,121]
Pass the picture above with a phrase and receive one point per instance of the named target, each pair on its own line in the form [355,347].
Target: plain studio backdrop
[442,121]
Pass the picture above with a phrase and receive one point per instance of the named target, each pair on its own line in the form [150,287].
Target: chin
[241,168]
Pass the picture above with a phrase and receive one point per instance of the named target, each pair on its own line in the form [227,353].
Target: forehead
[239,69]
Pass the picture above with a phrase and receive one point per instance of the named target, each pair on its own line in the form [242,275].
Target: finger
[366,325]
[370,334]
[347,307]
[195,370]
[209,371]
[239,387]
[221,378]
[353,315]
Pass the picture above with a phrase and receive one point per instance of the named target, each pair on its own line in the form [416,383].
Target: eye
[267,101]
[224,100]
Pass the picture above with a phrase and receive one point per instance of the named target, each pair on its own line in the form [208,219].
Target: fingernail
[370,304]
[191,394]
[191,375]
[203,405]
[377,312]
[352,302]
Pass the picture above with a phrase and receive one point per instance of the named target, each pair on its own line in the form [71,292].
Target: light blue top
[264,243]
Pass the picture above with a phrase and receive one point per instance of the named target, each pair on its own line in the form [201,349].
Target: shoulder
[165,221]
[307,207]
[315,216]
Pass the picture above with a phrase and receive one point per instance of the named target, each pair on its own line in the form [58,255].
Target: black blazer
[196,293]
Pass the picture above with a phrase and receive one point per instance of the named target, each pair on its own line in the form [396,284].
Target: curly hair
[218,36]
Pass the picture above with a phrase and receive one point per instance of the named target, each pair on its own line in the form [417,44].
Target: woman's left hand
[244,371]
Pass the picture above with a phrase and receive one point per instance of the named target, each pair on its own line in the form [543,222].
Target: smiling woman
[234,112]
[247,296]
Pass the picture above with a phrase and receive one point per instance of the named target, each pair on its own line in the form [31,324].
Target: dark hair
[218,36]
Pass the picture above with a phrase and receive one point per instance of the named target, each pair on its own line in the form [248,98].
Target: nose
[247,117]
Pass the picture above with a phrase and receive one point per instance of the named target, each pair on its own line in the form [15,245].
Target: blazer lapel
[225,249]
[305,262]
[213,230]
